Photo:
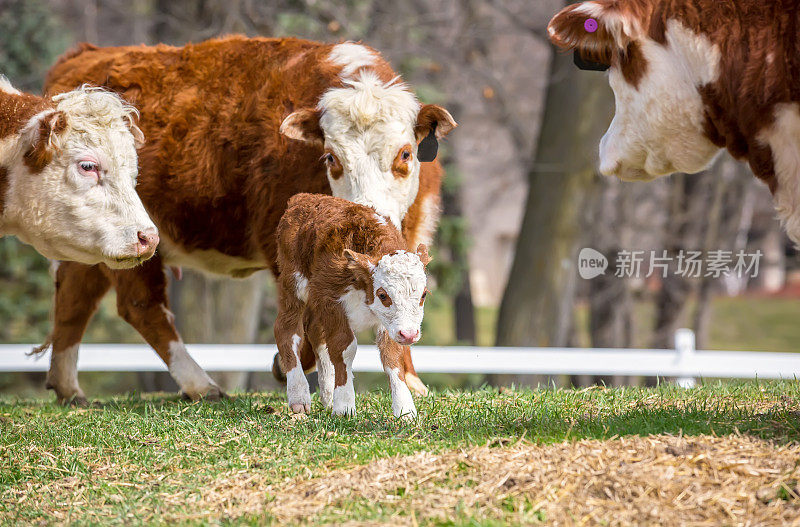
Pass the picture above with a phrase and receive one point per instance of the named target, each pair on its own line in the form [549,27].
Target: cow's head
[657,69]
[370,132]
[72,195]
[395,289]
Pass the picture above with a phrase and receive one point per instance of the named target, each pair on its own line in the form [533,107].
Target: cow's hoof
[415,384]
[78,401]
[300,408]
[213,394]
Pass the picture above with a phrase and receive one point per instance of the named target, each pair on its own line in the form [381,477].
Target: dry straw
[658,480]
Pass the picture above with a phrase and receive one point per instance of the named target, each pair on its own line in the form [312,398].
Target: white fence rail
[683,362]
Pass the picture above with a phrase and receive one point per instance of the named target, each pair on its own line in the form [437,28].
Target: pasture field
[722,453]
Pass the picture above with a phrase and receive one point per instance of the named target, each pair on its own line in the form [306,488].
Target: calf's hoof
[345,410]
[300,408]
[415,384]
[344,400]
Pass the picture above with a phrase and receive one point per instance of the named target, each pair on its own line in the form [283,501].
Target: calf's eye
[383,297]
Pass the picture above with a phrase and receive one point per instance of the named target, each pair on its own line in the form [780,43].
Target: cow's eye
[328,159]
[89,168]
[406,155]
[382,296]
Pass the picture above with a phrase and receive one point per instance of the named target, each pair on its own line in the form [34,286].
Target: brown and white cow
[344,269]
[691,77]
[235,127]
[68,176]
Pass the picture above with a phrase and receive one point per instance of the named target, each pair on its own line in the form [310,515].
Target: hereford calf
[68,171]
[343,269]
[691,77]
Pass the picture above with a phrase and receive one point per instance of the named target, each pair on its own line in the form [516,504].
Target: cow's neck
[3,189]
[16,109]
[781,140]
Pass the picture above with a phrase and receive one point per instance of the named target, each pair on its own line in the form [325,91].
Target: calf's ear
[432,118]
[422,252]
[303,125]
[358,262]
[43,137]
[597,29]
[361,267]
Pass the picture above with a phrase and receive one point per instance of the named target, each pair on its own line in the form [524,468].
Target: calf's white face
[658,127]
[80,202]
[370,131]
[399,291]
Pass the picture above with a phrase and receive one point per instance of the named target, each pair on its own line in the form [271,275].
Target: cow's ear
[303,125]
[138,135]
[422,252]
[596,29]
[433,119]
[43,137]
[45,129]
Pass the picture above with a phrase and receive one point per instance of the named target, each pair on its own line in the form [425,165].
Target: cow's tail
[38,351]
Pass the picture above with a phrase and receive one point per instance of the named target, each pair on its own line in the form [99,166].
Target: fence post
[685,348]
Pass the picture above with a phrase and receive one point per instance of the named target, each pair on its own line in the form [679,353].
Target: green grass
[152,459]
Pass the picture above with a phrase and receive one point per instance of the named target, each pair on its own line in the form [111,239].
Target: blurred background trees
[521,195]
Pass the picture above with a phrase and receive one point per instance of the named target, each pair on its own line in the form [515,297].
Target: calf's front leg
[392,360]
[344,392]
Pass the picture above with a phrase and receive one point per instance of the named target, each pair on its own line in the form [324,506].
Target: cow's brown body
[757,68]
[215,173]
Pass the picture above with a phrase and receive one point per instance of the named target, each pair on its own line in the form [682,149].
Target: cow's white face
[370,131]
[658,127]
[399,291]
[75,199]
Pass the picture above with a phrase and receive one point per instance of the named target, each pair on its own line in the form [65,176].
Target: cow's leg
[419,226]
[315,342]
[142,303]
[288,337]
[79,289]
[392,360]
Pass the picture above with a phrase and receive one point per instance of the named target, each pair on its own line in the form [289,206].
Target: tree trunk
[220,311]
[537,307]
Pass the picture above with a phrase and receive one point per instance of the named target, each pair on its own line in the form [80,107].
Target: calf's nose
[409,336]
[148,241]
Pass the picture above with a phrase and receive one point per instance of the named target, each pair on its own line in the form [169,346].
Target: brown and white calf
[344,269]
[235,127]
[68,170]
[693,76]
